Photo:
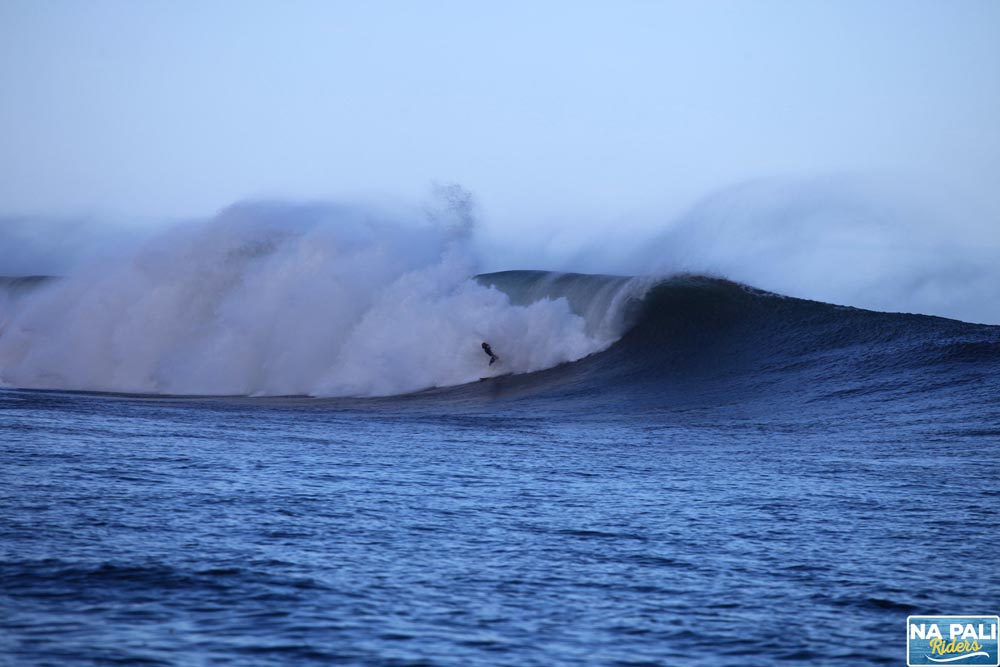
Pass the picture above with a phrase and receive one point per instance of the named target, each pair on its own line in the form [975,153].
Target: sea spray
[278,299]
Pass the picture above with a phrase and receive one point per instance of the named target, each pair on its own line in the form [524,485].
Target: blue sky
[584,110]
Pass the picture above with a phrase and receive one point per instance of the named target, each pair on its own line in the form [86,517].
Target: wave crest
[269,299]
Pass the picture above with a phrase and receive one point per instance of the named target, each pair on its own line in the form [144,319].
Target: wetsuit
[488,350]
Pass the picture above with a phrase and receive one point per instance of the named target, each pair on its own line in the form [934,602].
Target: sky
[549,111]
[844,150]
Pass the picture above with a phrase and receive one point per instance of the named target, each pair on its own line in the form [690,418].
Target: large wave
[327,300]
[269,299]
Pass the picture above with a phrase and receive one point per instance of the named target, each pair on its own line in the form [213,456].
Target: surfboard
[493,377]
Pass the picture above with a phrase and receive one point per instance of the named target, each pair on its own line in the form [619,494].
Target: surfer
[488,350]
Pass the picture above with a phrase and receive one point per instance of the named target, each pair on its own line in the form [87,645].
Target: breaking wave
[279,300]
[284,300]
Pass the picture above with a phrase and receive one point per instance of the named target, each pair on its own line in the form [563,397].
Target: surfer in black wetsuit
[488,350]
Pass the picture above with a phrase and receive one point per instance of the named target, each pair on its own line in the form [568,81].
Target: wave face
[321,302]
[282,300]
[705,342]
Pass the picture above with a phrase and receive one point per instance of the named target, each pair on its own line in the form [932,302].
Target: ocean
[737,478]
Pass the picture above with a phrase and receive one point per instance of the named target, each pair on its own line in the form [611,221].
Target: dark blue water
[752,480]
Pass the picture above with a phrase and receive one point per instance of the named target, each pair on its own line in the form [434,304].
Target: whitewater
[280,299]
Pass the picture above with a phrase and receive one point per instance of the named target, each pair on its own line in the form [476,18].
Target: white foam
[273,300]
